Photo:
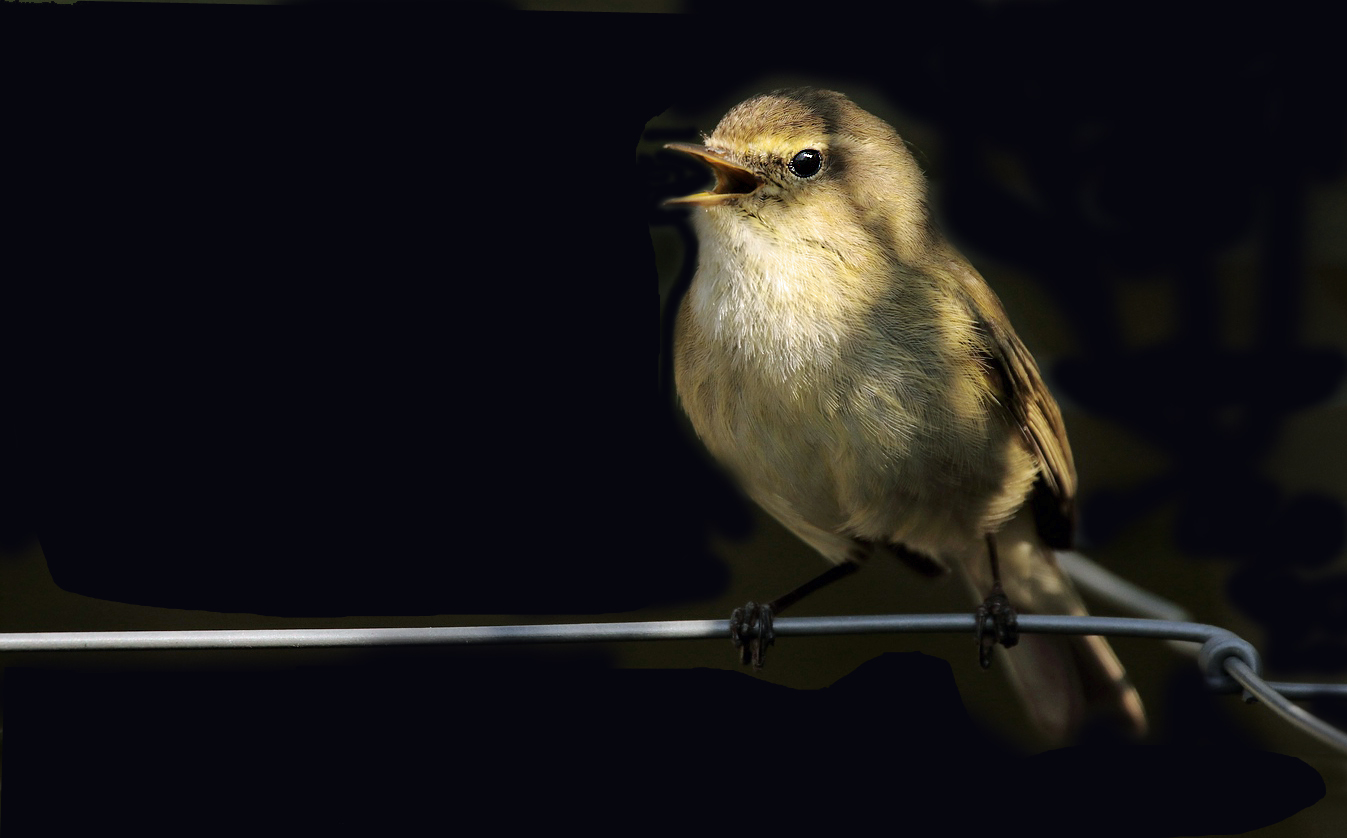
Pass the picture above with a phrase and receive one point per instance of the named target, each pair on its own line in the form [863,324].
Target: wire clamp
[1216,651]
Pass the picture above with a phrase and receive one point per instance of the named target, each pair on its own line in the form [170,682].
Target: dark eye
[806,163]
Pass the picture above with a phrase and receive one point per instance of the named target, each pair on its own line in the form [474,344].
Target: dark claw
[738,628]
[751,632]
[1005,625]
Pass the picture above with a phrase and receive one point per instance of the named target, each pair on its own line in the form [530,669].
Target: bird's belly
[820,463]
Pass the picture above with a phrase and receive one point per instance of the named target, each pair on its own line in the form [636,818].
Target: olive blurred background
[336,324]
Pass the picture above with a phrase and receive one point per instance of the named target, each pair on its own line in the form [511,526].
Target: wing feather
[1020,389]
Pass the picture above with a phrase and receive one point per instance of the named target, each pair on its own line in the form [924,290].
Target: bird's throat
[753,298]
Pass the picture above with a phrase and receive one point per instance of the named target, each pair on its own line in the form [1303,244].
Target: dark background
[333,312]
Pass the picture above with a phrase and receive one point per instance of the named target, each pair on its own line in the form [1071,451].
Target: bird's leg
[1005,622]
[751,626]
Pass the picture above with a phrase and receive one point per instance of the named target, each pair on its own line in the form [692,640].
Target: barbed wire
[1228,662]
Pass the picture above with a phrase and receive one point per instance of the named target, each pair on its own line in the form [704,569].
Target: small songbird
[863,383]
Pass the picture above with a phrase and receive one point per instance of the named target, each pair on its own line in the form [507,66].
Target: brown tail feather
[1062,679]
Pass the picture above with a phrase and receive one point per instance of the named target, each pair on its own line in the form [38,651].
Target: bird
[861,381]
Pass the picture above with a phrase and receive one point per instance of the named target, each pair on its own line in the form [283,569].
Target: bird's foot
[1005,625]
[751,632]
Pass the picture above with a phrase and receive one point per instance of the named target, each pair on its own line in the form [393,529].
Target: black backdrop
[316,311]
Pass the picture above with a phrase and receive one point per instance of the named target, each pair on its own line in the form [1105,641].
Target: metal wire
[1098,582]
[1278,703]
[364,637]
[1229,662]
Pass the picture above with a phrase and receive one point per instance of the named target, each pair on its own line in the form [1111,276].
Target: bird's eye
[806,163]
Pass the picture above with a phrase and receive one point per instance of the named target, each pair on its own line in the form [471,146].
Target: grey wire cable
[362,637]
[1103,584]
[1099,583]
[1229,662]
[1279,704]
[578,633]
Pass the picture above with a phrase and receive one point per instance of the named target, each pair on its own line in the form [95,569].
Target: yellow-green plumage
[863,383]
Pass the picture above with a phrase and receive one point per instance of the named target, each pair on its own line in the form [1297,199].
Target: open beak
[731,179]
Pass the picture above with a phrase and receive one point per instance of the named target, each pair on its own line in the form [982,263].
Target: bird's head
[807,163]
